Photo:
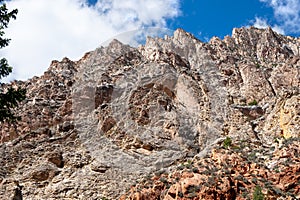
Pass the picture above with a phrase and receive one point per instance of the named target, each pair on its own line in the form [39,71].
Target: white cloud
[262,23]
[286,15]
[47,30]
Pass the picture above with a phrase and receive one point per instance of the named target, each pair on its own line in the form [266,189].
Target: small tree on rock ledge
[9,97]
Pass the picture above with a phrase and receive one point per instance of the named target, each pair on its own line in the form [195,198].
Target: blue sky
[207,18]
[50,30]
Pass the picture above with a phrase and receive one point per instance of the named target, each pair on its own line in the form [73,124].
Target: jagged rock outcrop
[91,129]
[241,171]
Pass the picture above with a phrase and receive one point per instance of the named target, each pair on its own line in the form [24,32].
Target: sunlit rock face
[92,128]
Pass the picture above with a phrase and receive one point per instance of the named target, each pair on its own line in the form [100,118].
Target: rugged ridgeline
[173,119]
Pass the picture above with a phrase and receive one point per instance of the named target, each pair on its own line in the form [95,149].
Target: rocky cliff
[175,118]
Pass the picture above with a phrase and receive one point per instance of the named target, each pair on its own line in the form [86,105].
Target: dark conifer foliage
[9,97]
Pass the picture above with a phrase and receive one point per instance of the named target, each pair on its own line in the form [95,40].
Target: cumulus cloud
[262,23]
[286,14]
[47,30]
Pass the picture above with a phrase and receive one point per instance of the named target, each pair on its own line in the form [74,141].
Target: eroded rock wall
[93,128]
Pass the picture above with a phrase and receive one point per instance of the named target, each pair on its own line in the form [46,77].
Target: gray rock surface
[94,127]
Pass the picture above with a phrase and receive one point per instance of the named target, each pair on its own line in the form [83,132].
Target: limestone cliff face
[91,129]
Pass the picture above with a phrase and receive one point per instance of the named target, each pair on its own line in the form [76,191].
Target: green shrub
[257,194]
[227,142]
[253,103]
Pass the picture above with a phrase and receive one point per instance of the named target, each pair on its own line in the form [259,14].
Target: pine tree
[9,97]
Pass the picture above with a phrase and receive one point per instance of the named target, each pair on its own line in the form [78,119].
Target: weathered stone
[43,172]
[66,126]
[90,129]
[290,117]
[55,158]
